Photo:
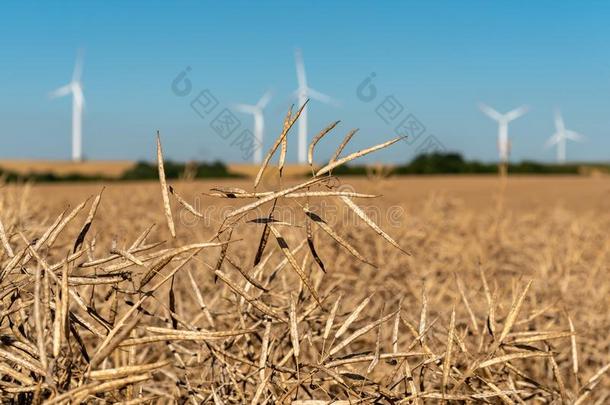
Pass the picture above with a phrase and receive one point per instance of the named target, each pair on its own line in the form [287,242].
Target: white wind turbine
[75,87]
[503,120]
[259,122]
[560,137]
[303,93]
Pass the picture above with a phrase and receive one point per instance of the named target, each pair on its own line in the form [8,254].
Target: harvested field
[504,297]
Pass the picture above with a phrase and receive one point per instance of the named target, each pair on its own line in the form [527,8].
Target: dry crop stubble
[96,303]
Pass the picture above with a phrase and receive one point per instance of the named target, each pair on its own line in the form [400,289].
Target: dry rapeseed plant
[235,319]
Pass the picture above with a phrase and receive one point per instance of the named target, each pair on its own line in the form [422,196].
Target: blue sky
[437,59]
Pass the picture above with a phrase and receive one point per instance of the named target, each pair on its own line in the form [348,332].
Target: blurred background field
[428,164]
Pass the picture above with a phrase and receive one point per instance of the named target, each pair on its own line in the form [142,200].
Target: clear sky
[437,59]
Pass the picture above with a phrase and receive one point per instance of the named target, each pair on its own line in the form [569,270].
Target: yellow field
[474,248]
[107,168]
[114,168]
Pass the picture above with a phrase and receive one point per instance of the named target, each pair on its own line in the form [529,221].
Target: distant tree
[454,163]
[173,170]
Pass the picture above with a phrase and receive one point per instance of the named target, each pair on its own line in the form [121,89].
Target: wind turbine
[303,93]
[503,120]
[75,88]
[560,137]
[259,122]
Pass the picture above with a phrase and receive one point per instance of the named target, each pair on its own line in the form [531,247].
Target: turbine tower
[503,120]
[303,93]
[560,137]
[259,122]
[75,88]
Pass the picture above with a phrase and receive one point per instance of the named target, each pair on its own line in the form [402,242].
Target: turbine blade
[553,140]
[516,113]
[559,124]
[300,65]
[316,95]
[574,136]
[245,108]
[490,112]
[78,66]
[297,93]
[62,91]
[264,100]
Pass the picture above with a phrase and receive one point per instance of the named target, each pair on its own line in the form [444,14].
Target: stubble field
[456,319]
